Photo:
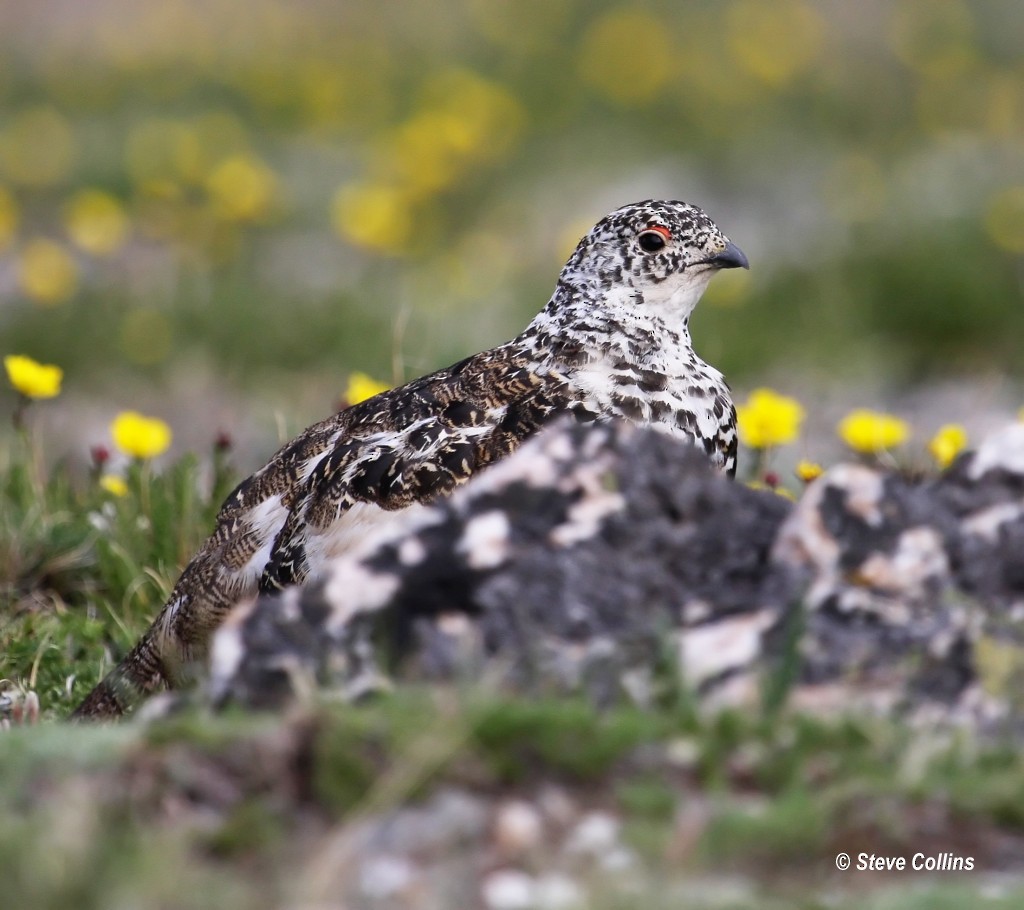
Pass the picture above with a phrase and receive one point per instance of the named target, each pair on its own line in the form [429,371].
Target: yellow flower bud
[808,470]
[949,442]
[114,485]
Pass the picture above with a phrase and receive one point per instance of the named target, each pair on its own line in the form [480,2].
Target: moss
[1000,666]
[248,827]
[648,797]
[345,767]
[791,829]
[569,737]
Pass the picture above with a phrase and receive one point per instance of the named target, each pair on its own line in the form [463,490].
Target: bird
[612,342]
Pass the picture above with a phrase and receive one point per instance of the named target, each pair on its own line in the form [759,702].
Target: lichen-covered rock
[598,554]
[984,492]
[911,582]
[585,560]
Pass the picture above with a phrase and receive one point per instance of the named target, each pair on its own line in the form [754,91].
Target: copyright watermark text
[919,862]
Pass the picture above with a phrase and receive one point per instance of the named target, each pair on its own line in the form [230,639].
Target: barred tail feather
[140,672]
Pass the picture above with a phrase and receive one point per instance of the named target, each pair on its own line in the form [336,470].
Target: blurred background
[214,211]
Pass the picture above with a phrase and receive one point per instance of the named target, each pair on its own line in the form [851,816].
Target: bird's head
[657,255]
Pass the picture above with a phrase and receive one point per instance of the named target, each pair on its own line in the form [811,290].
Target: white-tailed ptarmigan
[612,342]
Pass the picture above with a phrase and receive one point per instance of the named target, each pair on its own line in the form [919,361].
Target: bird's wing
[728,442]
[320,492]
[406,448]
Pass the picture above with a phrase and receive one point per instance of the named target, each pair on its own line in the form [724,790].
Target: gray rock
[909,580]
[572,564]
[597,556]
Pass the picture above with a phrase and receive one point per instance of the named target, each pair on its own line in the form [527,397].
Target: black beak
[731,257]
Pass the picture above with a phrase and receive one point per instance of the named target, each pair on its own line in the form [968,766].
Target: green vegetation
[763,799]
[83,569]
[233,811]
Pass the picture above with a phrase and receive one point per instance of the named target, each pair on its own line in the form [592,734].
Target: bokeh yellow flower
[463,120]
[47,273]
[947,443]
[242,188]
[628,56]
[96,222]
[114,484]
[362,386]
[139,436]
[869,431]
[9,217]
[933,37]
[768,419]
[373,215]
[808,470]
[32,379]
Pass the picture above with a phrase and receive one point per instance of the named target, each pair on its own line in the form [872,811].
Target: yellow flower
[361,387]
[242,188]
[47,273]
[808,470]
[775,42]
[139,436]
[96,222]
[628,56]
[464,120]
[114,484]
[1020,415]
[373,215]
[947,443]
[768,419]
[871,431]
[33,380]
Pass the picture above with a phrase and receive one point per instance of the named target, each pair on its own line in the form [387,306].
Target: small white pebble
[558,892]
[518,827]
[683,752]
[556,805]
[618,860]
[385,876]
[597,833]
[509,889]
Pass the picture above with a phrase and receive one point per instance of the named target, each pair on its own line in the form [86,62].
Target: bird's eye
[654,238]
